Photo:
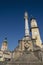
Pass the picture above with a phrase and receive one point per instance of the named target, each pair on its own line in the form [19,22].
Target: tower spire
[26,24]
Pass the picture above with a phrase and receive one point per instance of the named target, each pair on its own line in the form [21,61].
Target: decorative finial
[5,40]
[26,15]
[32,17]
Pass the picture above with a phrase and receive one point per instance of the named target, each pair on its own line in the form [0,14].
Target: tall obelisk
[26,24]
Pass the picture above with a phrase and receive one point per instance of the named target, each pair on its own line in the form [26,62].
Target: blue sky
[12,19]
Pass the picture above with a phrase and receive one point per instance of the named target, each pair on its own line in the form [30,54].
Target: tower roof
[26,15]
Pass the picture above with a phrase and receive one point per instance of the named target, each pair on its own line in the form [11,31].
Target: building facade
[29,49]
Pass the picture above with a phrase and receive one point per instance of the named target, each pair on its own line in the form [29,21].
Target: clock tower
[35,32]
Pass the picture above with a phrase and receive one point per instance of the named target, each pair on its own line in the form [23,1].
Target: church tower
[35,32]
[26,43]
[4,45]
